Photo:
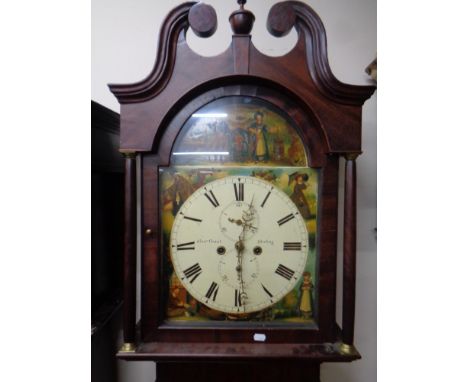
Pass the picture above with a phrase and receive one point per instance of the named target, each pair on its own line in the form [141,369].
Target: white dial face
[239,244]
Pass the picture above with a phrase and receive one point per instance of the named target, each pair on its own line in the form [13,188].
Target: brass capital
[347,349]
[351,156]
[128,154]
[128,347]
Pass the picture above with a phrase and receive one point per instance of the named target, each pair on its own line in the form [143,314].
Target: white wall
[124,41]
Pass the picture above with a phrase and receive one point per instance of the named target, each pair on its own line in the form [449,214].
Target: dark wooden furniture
[107,195]
[328,113]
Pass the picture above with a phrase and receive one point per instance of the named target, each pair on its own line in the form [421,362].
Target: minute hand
[248,216]
[240,249]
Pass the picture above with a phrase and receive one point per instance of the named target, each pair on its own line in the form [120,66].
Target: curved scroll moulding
[175,22]
[282,17]
[202,19]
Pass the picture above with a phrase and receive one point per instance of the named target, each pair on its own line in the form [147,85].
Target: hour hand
[236,221]
[242,223]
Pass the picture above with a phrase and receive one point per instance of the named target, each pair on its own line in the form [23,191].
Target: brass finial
[241,20]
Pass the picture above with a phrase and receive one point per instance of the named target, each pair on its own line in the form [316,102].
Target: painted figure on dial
[177,299]
[305,299]
[298,196]
[259,144]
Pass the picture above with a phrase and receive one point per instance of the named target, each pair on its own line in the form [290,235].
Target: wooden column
[349,249]
[129,305]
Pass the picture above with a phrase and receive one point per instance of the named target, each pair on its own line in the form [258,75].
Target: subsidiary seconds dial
[239,244]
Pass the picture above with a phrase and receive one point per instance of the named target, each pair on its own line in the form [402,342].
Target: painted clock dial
[239,244]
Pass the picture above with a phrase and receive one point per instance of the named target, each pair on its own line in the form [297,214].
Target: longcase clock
[238,171]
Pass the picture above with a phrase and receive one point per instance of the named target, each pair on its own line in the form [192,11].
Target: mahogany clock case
[327,114]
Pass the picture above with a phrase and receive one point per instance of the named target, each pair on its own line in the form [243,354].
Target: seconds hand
[240,249]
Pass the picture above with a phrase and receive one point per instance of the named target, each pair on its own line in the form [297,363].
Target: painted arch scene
[239,131]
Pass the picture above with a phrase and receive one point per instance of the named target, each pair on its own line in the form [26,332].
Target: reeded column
[349,249]
[129,304]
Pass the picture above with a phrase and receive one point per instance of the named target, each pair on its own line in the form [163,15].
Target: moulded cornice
[174,23]
[307,20]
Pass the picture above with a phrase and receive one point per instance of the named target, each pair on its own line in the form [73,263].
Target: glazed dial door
[239,244]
